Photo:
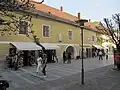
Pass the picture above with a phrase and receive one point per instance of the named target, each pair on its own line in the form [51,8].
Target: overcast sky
[95,10]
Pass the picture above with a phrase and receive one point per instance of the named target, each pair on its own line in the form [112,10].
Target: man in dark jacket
[64,57]
[69,57]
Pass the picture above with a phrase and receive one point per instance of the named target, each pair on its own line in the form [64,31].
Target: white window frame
[71,36]
[49,30]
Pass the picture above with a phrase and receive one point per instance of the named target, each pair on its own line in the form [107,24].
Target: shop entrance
[72,50]
[25,58]
[50,55]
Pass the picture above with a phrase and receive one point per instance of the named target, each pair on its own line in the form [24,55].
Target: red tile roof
[91,26]
[54,11]
[57,12]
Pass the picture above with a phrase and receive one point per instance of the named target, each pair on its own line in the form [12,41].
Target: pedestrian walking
[39,64]
[106,54]
[100,55]
[64,57]
[44,65]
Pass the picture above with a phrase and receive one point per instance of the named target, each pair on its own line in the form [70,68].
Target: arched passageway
[72,50]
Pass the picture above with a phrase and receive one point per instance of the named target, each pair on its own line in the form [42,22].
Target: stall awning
[49,46]
[106,47]
[98,46]
[4,42]
[26,46]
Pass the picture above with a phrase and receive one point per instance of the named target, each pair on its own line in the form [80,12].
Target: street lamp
[81,23]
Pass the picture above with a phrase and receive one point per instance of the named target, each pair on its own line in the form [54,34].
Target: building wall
[4,49]
[88,35]
[55,29]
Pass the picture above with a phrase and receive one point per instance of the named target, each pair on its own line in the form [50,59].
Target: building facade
[56,30]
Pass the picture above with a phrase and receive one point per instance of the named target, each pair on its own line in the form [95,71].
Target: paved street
[26,76]
[105,78]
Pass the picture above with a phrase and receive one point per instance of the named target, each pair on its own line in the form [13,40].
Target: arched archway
[72,50]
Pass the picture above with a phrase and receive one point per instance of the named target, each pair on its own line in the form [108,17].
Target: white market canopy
[49,46]
[98,46]
[26,46]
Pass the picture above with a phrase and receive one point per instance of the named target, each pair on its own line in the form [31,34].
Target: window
[93,38]
[46,31]
[24,27]
[70,35]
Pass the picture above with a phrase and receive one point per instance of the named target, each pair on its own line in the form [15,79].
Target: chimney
[79,15]
[89,20]
[61,8]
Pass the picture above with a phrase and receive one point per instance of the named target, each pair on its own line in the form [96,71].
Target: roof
[54,11]
[62,14]
[56,14]
[91,26]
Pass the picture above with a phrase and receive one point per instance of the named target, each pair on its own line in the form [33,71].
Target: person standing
[44,65]
[69,57]
[56,58]
[100,55]
[106,54]
[15,61]
[39,64]
[64,57]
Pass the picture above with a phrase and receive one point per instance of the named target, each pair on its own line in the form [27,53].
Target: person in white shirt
[100,55]
[39,64]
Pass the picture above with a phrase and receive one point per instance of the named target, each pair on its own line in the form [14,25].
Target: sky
[95,10]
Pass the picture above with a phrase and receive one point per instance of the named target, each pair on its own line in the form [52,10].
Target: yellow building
[57,31]
[104,39]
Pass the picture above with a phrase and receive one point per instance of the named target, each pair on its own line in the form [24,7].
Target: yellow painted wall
[4,49]
[89,34]
[55,29]
[100,40]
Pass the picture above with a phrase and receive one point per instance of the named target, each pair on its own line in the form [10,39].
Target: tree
[12,22]
[111,27]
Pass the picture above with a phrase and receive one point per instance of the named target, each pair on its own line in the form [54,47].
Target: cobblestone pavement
[26,76]
[104,78]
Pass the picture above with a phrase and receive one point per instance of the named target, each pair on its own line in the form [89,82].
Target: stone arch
[72,49]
